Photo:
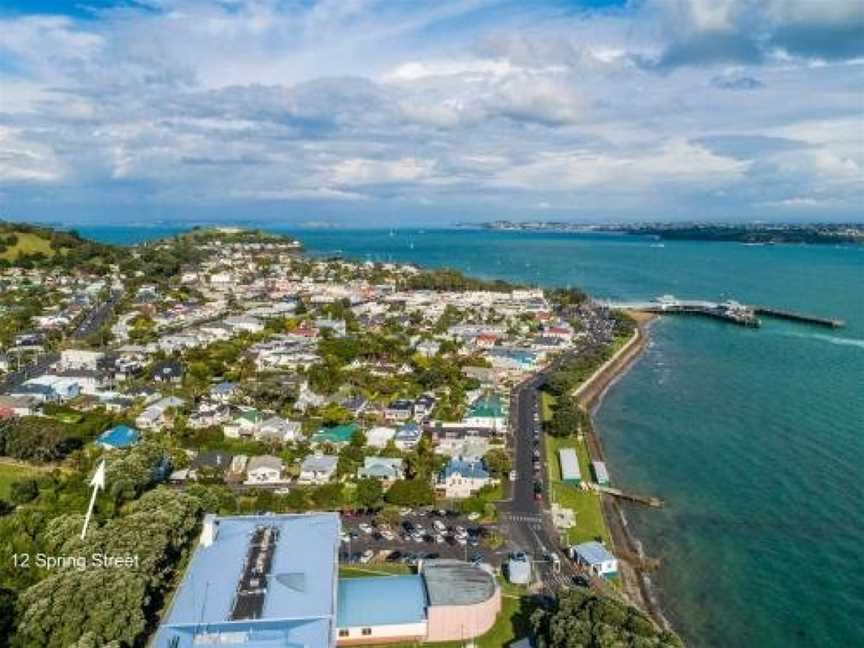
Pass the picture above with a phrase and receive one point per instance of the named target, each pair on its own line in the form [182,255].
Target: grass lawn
[28,244]
[547,402]
[586,504]
[365,571]
[9,474]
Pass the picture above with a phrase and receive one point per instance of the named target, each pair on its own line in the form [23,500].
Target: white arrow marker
[97,482]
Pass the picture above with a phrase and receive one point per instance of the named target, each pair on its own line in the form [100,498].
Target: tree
[369,493]
[498,462]
[580,618]
[566,417]
[410,492]
[23,491]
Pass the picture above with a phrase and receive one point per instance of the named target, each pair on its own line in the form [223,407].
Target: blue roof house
[462,478]
[119,437]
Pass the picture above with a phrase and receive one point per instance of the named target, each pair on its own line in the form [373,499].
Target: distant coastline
[747,233]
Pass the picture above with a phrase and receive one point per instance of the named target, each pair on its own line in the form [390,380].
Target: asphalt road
[522,518]
[96,317]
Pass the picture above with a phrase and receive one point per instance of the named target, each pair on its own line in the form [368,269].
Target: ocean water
[754,437]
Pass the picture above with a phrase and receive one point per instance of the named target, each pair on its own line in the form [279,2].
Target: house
[276,428]
[48,388]
[337,327]
[71,359]
[428,348]
[168,371]
[118,437]
[387,469]
[157,414]
[210,465]
[18,405]
[378,437]
[264,469]
[245,323]
[596,557]
[423,405]
[318,469]
[356,405]
[399,410]
[462,478]
[223,391]
[244,425]
[407,436]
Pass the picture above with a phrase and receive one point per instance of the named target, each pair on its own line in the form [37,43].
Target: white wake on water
[830,339]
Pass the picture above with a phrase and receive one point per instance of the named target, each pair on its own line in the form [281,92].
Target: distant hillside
[27,246]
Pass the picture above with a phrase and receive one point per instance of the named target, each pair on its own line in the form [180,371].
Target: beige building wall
[456,622]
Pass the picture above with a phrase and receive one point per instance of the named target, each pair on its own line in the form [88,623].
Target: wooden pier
[728,311]
[647,500]
[798,317]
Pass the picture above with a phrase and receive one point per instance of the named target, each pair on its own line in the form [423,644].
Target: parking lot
[418,536]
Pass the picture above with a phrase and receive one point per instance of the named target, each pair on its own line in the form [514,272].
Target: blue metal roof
[249,634]
[593,552]
[300,587]
[384,600]
[468,469]
[121,436]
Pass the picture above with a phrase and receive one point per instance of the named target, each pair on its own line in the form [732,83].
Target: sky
[364,113]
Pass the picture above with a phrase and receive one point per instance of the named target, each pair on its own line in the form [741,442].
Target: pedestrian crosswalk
[518,517]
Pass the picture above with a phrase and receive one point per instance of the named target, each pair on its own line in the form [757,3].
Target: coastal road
[522,517]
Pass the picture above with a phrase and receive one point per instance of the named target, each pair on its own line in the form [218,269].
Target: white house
[461,478]
[276,428]
[265,469]
[596,557]
[154,416]
[80,359]
[318,469]
[378,437]
[244,323]
[428,348]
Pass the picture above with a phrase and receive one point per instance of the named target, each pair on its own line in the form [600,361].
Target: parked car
[366,556]
[513,475]
[365,527]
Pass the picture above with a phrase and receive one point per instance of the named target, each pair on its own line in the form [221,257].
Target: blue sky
[365,112]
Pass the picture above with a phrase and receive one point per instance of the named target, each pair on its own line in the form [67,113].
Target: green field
[547,402]
[586,504]
[373,569]
[28,243]
[9,474]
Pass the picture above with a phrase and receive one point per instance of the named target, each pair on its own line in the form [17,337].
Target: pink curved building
[463,600]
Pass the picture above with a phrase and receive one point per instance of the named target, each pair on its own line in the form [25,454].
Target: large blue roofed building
[258,582]
[381,608]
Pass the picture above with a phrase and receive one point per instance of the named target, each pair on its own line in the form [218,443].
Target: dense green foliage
[583,619]
[410,492]
[446,279]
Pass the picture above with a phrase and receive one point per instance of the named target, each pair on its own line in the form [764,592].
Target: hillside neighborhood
[375,412]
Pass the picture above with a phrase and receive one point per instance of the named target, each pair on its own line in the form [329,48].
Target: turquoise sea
[754,437]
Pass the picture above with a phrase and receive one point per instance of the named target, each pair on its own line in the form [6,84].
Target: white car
[513,475]
[474,516]
[417,537]
[366,556]
[439,538]
[387,534]
[365,528]
[440,527]
[460,532]
[462,540]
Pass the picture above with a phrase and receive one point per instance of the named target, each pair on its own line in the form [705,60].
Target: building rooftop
[453,582]
[260,581]
[593,552]
[385,600]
